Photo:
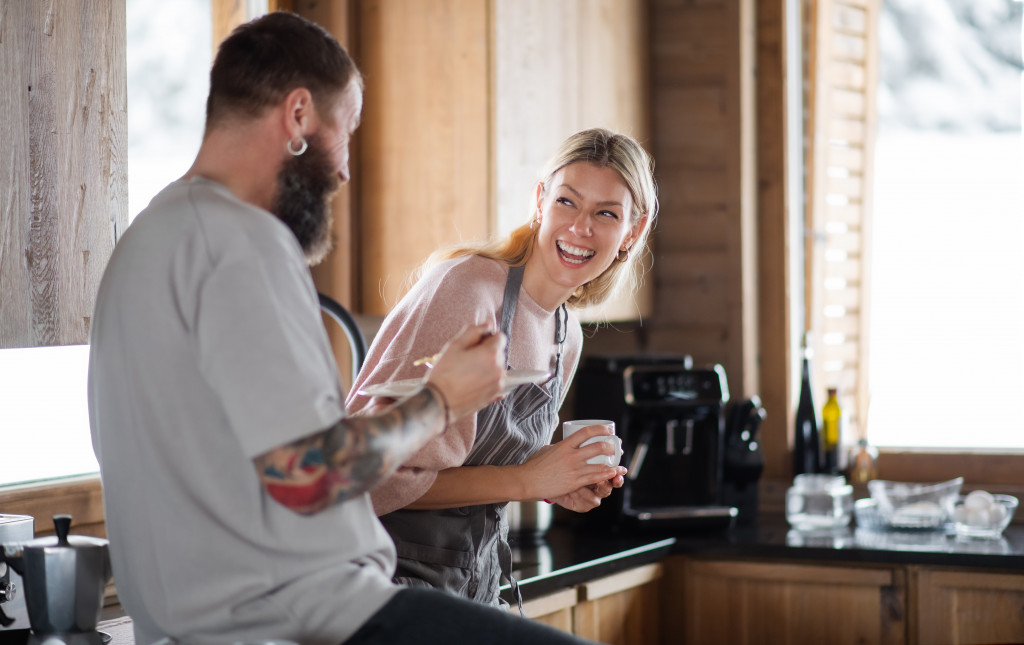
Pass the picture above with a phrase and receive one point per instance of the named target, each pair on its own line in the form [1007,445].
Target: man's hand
[471,370]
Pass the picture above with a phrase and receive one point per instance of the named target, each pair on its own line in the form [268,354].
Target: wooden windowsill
[81,497]
[979,470]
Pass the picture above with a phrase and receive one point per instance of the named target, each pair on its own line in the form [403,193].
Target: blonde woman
[445,508]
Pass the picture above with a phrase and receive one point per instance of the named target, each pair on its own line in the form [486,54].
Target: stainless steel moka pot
[64,577]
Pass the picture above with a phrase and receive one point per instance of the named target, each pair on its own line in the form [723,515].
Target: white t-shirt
[208,350]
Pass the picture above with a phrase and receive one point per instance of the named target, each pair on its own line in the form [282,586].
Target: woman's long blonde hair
[602,148]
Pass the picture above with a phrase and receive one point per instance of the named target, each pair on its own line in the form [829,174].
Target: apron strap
[561,330]
[508,312]
[509,304]
[505,559]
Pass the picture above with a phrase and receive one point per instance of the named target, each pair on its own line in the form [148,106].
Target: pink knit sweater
[451,295]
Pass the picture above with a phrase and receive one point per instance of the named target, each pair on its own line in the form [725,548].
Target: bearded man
[234,483]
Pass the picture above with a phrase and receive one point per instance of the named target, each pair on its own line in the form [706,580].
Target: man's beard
[305,186]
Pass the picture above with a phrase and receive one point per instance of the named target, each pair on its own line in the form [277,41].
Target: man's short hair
[264,59]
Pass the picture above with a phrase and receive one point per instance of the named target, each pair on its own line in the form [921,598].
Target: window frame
[1001,470]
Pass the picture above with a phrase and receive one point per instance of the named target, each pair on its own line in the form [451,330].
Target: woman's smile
[573,254]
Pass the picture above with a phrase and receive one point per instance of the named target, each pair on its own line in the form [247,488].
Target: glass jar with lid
[817,501]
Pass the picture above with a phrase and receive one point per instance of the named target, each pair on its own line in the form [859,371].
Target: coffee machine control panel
[673,385]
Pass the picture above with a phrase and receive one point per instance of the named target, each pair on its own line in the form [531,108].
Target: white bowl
[986,523]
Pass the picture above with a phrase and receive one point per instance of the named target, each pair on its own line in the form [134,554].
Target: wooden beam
[774,306]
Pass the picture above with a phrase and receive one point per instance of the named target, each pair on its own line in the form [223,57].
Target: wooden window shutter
[842,73]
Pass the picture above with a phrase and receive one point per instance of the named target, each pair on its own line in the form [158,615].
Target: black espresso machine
[671,419]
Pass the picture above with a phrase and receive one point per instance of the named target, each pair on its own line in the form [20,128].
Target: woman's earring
[302,147]
[622,255]
[535,220]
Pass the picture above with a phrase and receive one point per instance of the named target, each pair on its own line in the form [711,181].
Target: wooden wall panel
[63,93]
[614,89]
[536,91]
[703,111]
[425,159]
[542,93]
[773,225]
[700,229]
[335,276]
[683,49]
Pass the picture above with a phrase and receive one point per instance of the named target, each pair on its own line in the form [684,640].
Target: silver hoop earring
[302,147]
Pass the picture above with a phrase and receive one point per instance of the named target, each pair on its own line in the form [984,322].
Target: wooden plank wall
[542,93]
[705,247]
[63,94]
[335,275]
[425,161]
[776,390]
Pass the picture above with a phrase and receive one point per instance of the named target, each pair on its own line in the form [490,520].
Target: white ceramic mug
[570,427]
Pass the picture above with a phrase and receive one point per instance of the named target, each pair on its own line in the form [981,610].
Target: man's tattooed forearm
[351,457]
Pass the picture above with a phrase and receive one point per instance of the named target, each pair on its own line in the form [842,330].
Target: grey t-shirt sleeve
[262,345]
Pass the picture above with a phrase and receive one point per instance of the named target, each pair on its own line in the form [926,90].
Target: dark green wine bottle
[806,439]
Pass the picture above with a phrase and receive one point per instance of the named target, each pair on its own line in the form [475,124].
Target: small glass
[819,502]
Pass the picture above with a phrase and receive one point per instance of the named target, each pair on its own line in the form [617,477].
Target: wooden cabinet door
[748,602]
[554,609]
[968,607]
[621,609]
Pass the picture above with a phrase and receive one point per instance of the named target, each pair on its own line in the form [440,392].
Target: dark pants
[426,616]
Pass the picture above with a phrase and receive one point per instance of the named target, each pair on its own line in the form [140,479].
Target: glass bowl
[905,505]
[983,521]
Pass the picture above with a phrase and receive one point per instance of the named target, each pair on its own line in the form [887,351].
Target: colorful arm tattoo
[351,457]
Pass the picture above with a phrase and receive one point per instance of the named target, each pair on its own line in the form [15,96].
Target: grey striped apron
[465,550]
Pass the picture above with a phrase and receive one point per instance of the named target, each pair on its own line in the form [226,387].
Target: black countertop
[569,555]
[773,538]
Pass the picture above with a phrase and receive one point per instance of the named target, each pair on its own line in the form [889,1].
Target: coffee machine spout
[15,559]
[8,590]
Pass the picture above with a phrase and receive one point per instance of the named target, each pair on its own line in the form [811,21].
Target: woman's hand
[589,497]
[561,470]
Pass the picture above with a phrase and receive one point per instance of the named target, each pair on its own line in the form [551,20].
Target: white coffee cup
[570,427]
